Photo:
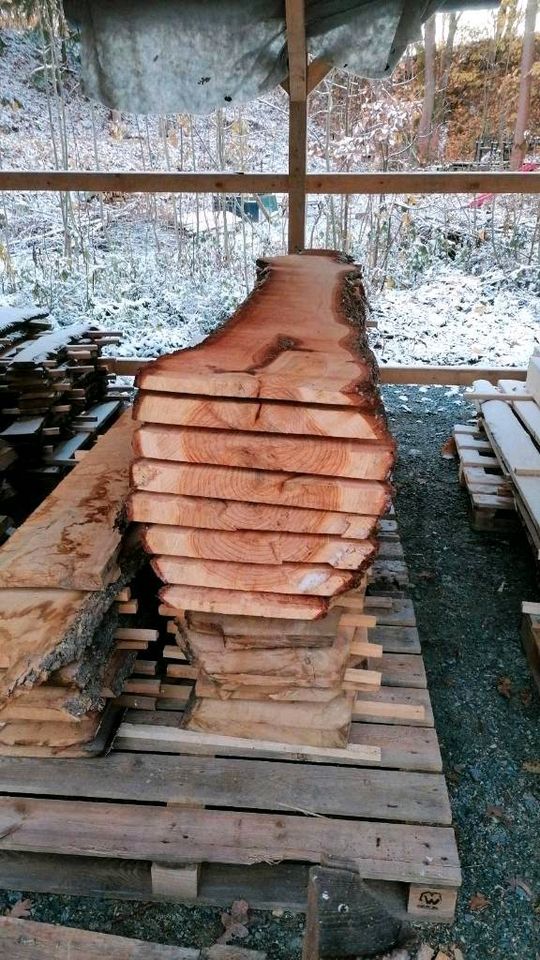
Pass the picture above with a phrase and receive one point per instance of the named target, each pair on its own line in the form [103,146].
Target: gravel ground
[467,589]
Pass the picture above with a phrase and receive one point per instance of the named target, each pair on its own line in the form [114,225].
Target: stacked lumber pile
[509,417]
[62,588]
[53,395]
[261,470]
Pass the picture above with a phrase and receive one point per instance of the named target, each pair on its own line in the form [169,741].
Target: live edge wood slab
[279,413]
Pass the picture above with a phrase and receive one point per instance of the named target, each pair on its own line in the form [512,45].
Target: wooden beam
[140,182]
[296,44]
[316,72]
[216,182]
[430,375]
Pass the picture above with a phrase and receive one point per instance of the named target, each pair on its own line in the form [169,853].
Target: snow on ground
[453,317]
[449,281]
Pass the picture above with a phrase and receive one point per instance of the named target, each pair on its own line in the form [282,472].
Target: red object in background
[482,198]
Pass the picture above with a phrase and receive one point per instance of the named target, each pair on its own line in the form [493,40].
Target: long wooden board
[213,600]
[286,578]
[181,511]
[362,460]
[258,547]
[295,338]
[28,940]
[267,417]
[377,851]
[236,783]
[366,497]
[72,540]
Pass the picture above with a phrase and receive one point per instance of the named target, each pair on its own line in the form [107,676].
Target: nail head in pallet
[257,815]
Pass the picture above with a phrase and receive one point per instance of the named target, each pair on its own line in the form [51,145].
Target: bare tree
[525,84]
[426,119]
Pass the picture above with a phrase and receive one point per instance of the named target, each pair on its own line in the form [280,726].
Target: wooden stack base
[530,636]
[172,814]
[492,507]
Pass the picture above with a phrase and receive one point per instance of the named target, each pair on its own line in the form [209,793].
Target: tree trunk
[525,84]
[426,119]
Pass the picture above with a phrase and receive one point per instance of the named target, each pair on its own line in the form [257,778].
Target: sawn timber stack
[261,470]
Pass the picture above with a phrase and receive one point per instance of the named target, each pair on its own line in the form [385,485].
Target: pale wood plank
[260,547]
[366,497]
[356,459]
[234,515]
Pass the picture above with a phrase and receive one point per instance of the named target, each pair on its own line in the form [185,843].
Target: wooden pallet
[491,504]
[530,638]
[172,814]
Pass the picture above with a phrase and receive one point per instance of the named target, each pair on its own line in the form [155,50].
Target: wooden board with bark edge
[258,547]
[356,459]
[261,417]
[235,516]
[71,542]
[300,336]
[344,495]
[286,578]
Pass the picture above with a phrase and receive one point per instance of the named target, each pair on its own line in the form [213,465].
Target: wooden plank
[218,182]
[29,940]
[234,515]
[76,527]
[402,747]
[258,547]
[406,705]
[48,344]
[254,784]
[250,415]
[377,851]
[361,460]
[366,497]
[314,361]
[265,886]
[213,600]
[286,578]
[318,723]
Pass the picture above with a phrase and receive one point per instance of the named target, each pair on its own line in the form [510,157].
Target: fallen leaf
[516,883]
[504,687]
[20,910]
[458,954]
[478,902]
[449,449]
[525,696]
[497,813]
[235,922]
[441,955]
[425,575]
[531,766]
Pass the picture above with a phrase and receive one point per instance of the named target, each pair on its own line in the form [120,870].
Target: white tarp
[170,56]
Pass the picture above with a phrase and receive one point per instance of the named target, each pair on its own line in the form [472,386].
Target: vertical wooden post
[296,43]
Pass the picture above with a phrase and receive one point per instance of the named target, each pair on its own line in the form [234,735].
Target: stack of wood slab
[62,587]
[53,395]
[509,413]
[261,470]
